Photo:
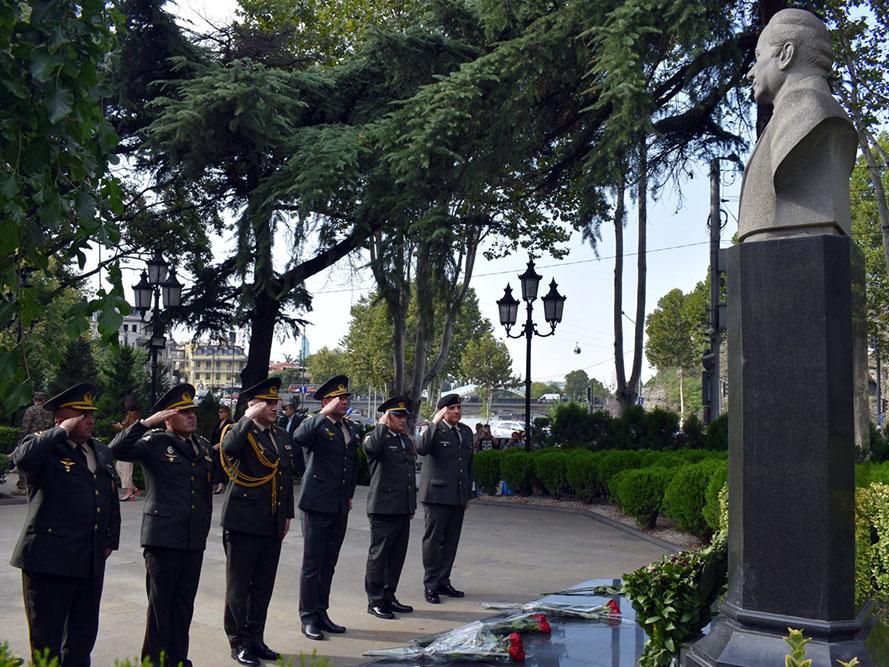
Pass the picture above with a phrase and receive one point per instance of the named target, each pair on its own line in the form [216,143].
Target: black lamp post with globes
[553,303]
[158,280]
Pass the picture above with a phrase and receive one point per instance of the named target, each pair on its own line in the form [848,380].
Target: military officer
[330,444]
[445,488]
[72,526]
[175,518]
[256,514]
[391,503]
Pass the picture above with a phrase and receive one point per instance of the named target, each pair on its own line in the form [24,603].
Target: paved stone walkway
[506,554]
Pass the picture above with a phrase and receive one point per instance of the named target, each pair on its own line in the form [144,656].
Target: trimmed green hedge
[612,462]
[718,481]
[5,465]
[517,468]
[486,466]
[684,497]
[551,471]
[640,493]
[580,471]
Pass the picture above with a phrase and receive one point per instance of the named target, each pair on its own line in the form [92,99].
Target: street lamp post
[508,307]
[159,281]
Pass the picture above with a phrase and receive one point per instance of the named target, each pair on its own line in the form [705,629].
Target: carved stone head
[794,45]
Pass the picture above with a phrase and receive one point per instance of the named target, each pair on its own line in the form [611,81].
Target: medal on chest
[68,463]
[171,454]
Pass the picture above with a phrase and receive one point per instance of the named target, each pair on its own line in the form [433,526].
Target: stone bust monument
[797,180]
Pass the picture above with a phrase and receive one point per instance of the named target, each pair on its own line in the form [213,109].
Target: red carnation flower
[542,623]
[516,650]
[614,608]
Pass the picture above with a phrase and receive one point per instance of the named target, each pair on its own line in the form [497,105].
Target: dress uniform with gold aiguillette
[73,520]
[175,522]
[391,502]
[258,502]
[331,455]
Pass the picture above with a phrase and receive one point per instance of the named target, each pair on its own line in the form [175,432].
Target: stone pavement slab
[506,554]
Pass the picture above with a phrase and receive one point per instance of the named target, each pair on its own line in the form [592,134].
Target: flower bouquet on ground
[610,611]
[473,642]
[524,622]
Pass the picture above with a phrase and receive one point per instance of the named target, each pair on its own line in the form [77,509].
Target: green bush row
[643,483]
[573,426]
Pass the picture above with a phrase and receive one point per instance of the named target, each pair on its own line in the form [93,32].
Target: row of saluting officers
[73,521]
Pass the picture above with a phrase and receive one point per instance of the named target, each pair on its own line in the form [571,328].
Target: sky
[678,256]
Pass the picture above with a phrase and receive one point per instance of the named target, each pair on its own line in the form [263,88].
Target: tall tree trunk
[641,271]
[619,370]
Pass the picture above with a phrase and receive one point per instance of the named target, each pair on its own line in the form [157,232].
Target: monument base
[741,638]
[791,548]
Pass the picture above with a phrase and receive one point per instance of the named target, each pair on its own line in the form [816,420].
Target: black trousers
[171,579]
[389,535]
[251,563]
[63,615]
[323,535]
[443,526]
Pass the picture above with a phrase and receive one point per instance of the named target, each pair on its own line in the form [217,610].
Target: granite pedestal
[791,458]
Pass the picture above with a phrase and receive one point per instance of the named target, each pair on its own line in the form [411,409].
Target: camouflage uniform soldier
[36,418]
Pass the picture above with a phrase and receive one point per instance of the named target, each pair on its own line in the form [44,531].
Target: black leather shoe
[244,656]
[330,626]
[380,612]
[431,596]
[450,591]
[263,652]
[313,631]
[396,606]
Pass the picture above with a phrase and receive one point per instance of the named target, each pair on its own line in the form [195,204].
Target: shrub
[661,427]
[9,439]
[879,445]
[5,465]
[569,424]
[363,468]
[601,431]
[639,492]
[516,468]
[486,468]
[693,433]
[695,455]
[718,480]
[549,468]
[612,462]
[580,472]
[878,473]
[871,538]
[717,433]
[684,498]
[649,457]
[631,428]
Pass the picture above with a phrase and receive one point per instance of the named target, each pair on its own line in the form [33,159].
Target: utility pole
[710,381]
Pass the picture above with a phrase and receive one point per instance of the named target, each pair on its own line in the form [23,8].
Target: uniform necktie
[346,435]
[89,456]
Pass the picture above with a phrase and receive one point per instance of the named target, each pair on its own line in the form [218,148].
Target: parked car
[503,430]
[550,398]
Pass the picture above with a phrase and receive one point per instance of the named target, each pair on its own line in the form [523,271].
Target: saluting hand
[439,415]
[384,419]
[330,407]
[255,410]
[70,423]
[159,418]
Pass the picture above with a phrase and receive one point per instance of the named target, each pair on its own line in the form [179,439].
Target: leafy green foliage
[717,433]
[612,462]
[674,596]
[77,365]
[640,493]
[9,438]
[5,465]
[56,195]
[576,383]
[570,425]
[684,497]
[486,469]
[486,362]
[550,469]
[580,472]
[712,508]
[517,469]
[661,427]
[325,363]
